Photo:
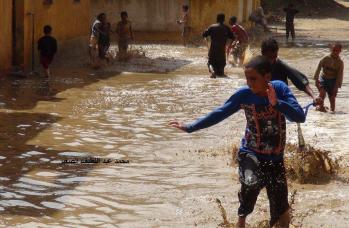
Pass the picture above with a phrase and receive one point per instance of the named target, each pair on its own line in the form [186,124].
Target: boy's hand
[272,95]
[178,125]
[318,101]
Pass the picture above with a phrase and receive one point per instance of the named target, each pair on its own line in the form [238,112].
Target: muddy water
[111,115]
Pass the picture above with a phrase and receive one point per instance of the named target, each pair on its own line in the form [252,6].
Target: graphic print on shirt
[266,129]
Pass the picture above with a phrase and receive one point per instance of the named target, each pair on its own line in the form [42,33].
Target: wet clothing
[95,29]
[45,61]
[185,22]
[47,47]
[328,85]
[242,36]
[124,31]
[332,74]
[219,34]
[254,175]
[281,71]
[332,68]
[186,31]
[104,40]
[265,134]
[261,152]
[290,29]
[240,33]
[290,13]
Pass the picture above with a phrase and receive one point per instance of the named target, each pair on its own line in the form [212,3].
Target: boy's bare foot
[321,109]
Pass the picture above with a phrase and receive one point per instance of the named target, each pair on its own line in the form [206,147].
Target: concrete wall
[6,34]
[149,15]
[69,19]
[204,12]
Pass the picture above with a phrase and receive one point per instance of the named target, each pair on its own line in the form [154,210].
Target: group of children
[98,45]
[100,38]
[267,102]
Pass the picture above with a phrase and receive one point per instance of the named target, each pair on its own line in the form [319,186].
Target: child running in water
[261,163]
[331,78]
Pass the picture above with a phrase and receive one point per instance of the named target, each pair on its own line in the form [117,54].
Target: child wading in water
[47,47]
[125,34]
[331,78]
[261,152]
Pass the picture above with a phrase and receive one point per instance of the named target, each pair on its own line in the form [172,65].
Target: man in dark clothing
[281,71]
[47,46]
[290,13]
[219,34]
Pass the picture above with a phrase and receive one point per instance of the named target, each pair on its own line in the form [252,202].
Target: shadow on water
[20,193]
[21,93]
[22,190]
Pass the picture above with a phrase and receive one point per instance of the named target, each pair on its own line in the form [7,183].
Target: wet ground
[172,178]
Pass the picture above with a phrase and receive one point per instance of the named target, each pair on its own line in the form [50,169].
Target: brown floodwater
[118,115]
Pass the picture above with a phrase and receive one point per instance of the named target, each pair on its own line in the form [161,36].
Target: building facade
[22,21]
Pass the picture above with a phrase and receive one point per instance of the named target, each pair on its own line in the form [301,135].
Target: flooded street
[172,178]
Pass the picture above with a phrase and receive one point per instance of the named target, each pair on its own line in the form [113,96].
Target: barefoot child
[241,41]
[184,21]
[125,34]
[47,47]
[219,34]
[332,76]
[261,164]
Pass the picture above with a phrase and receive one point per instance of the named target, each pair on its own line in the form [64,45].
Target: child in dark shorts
[331,78]
[47,47]
[266,104]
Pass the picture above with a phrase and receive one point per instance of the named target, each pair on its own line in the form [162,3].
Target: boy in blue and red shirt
[261,164]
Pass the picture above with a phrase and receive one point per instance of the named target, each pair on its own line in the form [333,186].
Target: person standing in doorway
[290,13]
[219,34]
[184,21]
[47,47]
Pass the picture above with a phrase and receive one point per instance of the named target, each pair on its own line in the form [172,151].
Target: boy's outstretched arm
[286,103]
[230,107]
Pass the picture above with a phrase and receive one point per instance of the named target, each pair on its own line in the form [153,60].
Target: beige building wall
[145,15]
[204,12]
